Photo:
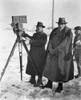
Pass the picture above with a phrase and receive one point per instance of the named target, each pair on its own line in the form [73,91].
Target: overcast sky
[41,10]
[36,10]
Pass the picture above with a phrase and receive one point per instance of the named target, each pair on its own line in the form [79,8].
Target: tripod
[20,42]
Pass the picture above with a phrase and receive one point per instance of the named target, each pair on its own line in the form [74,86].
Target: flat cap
[77,28]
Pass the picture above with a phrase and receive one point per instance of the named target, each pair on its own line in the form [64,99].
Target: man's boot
[77,76]
[79,70]
[48,85]
[39,82]
[59,88]
[32,80]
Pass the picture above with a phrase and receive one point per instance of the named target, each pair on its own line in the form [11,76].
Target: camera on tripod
[17,23]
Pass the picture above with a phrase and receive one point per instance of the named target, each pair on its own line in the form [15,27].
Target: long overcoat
[59,65]
[37,53]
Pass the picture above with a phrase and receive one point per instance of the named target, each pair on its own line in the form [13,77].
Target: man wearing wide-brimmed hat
[38,54]
[39,25]
[59,64]
[77,49]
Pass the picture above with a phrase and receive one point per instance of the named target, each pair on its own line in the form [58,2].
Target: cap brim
[61,23]
[40,25]
[43,26]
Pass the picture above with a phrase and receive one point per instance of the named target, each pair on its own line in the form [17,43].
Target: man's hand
[78,42]
[52,51]
[31,41]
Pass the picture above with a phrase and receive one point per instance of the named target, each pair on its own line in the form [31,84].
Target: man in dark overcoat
[38,54]
[59,64]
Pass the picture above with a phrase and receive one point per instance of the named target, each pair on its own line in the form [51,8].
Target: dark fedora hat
[40,24]
[77,28]
[61,21]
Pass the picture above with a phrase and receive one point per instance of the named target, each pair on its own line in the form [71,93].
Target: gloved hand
[53,51]
[31,41]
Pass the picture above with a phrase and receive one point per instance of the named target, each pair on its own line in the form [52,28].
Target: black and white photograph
[40,49]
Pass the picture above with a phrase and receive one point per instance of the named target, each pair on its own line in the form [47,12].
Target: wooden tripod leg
[11,53]
[20,56]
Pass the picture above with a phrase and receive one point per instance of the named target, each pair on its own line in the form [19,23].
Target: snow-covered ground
[11,86]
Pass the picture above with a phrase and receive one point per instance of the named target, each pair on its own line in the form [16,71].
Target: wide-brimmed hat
[40,24]
[61,21]
[77,28]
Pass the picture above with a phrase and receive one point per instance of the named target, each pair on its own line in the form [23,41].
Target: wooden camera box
[18,21]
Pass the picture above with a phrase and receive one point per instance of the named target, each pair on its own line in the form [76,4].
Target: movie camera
[17,23]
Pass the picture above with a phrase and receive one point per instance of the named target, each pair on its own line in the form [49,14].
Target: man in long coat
[38,54]
[59,65]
